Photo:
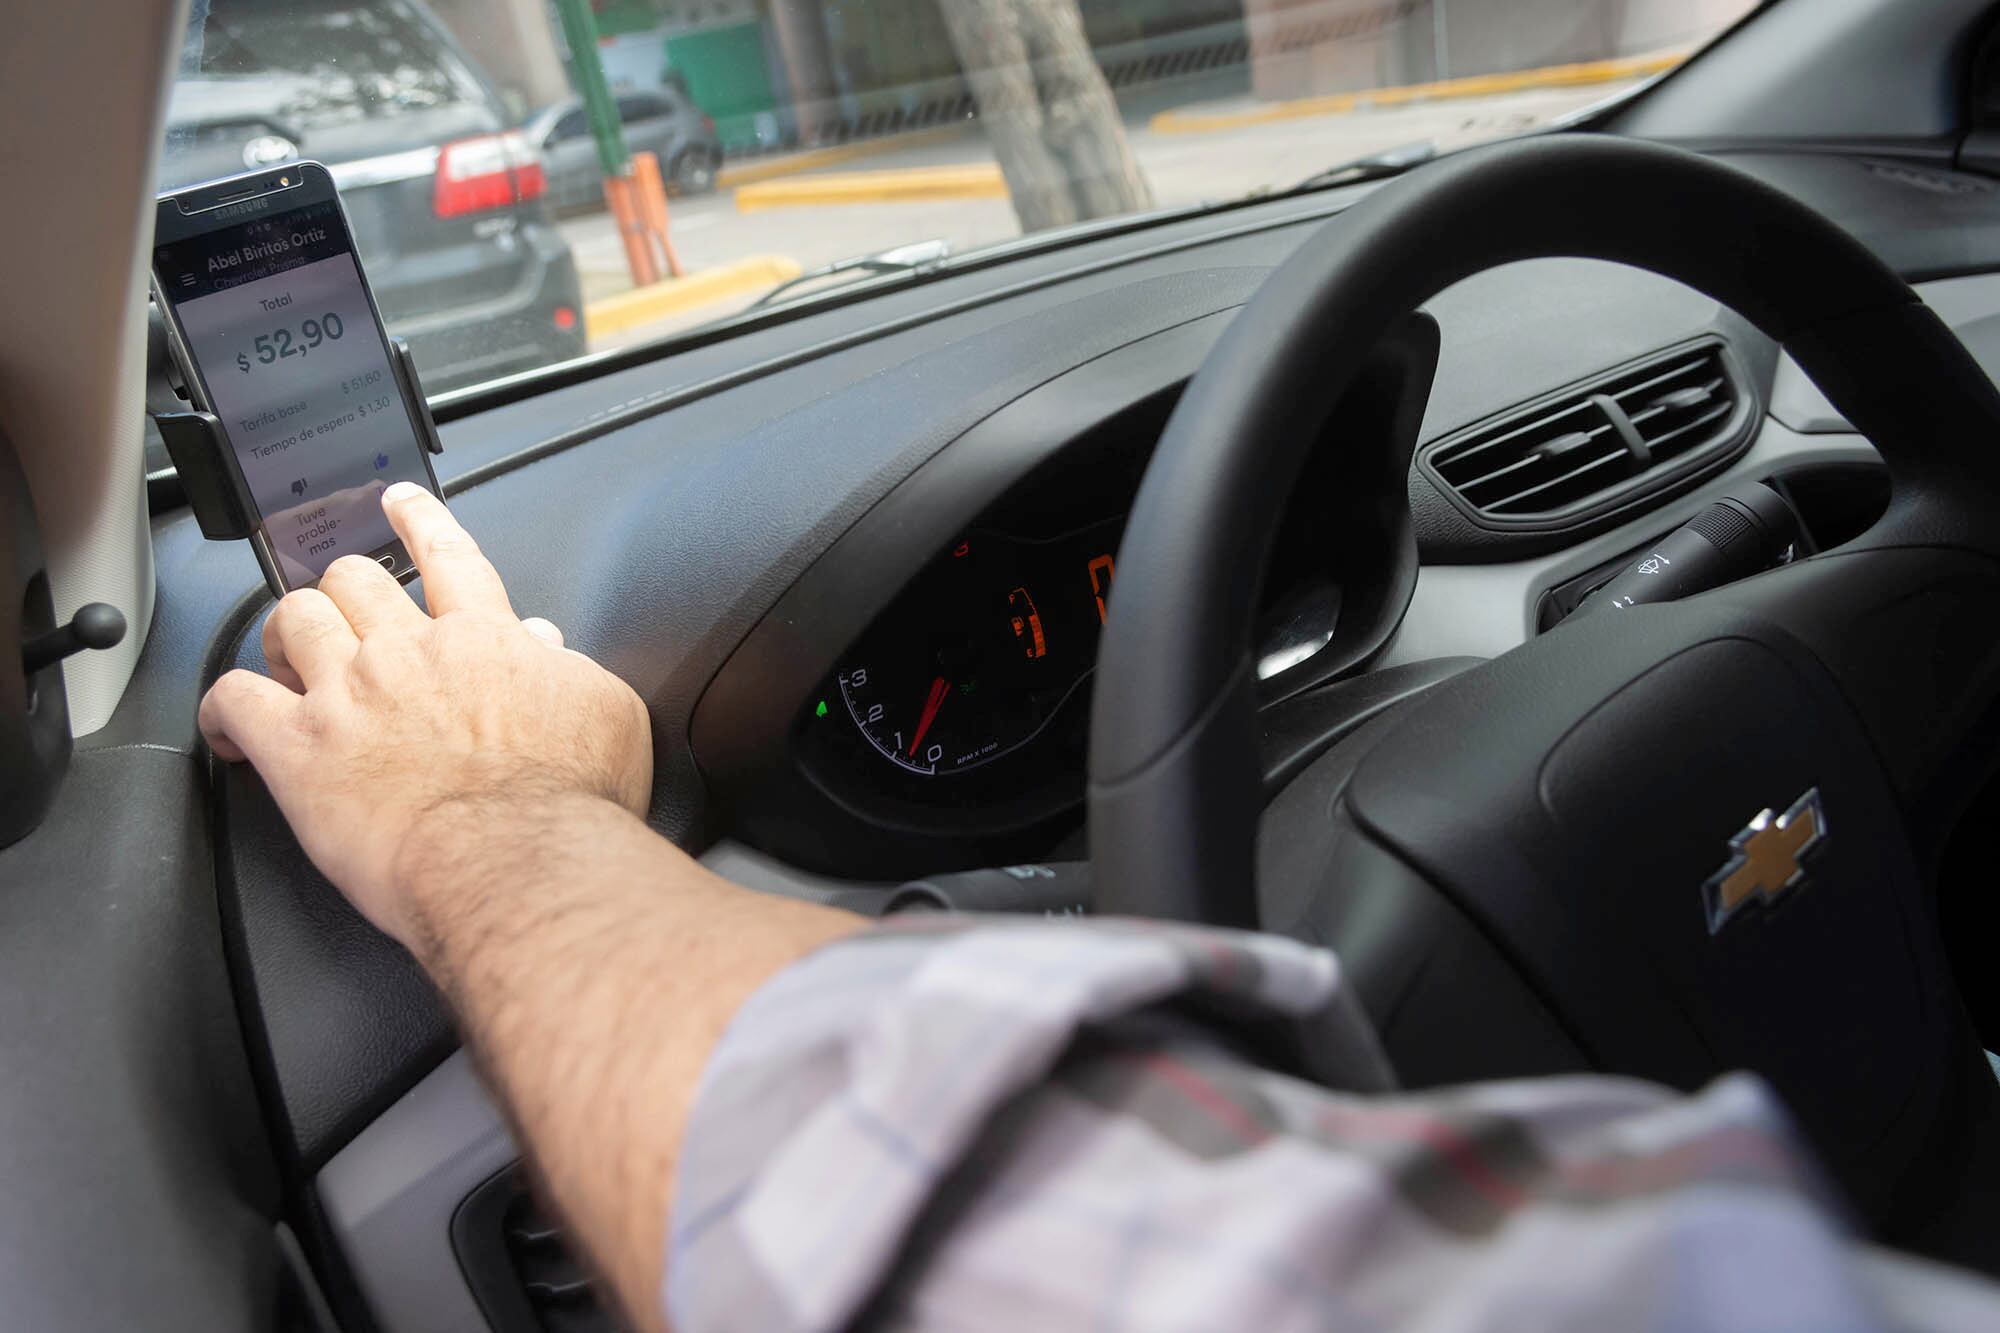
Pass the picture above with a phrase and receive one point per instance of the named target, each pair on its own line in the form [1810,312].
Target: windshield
[329,64]
[529,180]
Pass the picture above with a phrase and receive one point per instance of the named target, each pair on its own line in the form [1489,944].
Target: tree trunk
[1046,109]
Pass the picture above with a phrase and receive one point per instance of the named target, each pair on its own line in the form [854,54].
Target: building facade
[784,73]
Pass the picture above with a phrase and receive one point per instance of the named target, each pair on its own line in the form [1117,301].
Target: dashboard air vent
[1538,464]
[1569,455]
[1676,406]
[561,1293]
[520,1271]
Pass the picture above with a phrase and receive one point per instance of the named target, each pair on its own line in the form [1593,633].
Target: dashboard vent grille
[1633,429]
[1538,464]
[558,1289]
[1676,407]
[519,1270]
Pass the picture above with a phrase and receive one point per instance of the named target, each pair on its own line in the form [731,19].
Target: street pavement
[1181,169]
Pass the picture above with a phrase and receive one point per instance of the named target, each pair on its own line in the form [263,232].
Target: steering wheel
[1529,868]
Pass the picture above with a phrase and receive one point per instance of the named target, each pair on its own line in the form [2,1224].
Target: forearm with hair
[593,966]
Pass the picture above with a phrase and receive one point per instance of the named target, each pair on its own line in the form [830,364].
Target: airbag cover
[1653,786]
[1574,798]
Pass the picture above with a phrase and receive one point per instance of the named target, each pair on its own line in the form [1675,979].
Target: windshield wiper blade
[915,257]
[1374,166]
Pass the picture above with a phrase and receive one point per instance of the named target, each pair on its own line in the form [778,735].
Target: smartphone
[275,332]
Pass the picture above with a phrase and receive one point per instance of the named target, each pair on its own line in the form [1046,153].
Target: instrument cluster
[995,642]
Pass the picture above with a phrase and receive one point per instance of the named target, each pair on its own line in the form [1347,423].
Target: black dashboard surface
[671,503]
[994,639]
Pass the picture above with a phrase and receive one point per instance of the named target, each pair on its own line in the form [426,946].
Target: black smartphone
[275,332]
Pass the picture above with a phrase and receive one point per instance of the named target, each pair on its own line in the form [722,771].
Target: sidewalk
[1240,112]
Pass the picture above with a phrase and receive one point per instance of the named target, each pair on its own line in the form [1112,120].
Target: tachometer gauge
[982,651]
[939,725]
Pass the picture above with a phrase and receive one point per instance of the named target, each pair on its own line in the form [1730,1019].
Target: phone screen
[284,337]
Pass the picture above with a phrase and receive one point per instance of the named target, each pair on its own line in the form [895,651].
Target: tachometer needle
[939,689]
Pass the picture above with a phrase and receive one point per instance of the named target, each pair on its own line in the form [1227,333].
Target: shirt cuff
[853,1081]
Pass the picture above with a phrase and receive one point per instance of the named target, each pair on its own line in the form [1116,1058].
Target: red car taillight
[489,171]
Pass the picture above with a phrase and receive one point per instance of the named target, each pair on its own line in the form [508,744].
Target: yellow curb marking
[972,180]
[643,305]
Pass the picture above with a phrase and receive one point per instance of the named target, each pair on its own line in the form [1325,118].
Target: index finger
[246,716]
[456,576]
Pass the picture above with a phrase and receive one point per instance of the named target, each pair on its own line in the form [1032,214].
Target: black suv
[445,202]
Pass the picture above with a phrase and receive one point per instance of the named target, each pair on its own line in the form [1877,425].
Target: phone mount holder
[200,450]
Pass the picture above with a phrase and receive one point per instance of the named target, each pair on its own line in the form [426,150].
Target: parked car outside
[446,203]
[661,121]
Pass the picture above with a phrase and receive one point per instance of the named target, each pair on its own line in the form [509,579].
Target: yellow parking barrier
[972,180]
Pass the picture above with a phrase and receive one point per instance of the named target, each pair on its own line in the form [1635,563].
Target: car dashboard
[890,717]
[857,560]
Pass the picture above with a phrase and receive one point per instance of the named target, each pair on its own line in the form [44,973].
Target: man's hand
[474,788]
[378,718]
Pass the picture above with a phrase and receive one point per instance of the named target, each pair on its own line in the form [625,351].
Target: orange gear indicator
[1027,623]
[1101,571]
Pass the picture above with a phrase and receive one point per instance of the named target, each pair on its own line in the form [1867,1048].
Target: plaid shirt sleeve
[1011,1123]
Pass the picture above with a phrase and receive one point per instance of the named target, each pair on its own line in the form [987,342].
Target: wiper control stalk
[1745,532]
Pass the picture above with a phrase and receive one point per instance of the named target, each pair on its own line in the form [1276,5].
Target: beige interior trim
[83,87]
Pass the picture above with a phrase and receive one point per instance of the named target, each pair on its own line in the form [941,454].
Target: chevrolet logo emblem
[1765,859]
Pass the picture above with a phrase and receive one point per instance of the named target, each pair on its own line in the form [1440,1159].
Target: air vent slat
[1566,444]
[1681,399]
[1677,400]
[1654,379]
[1513,502]
[1602,439]
[514,1262]
[575,1289]
[559,1291]
[534,1233]
[1498,473]
[1509,444]
[1660,444]
[1533,476]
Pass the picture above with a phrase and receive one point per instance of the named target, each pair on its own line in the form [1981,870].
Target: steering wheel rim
[1866,678]
[1174,790]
